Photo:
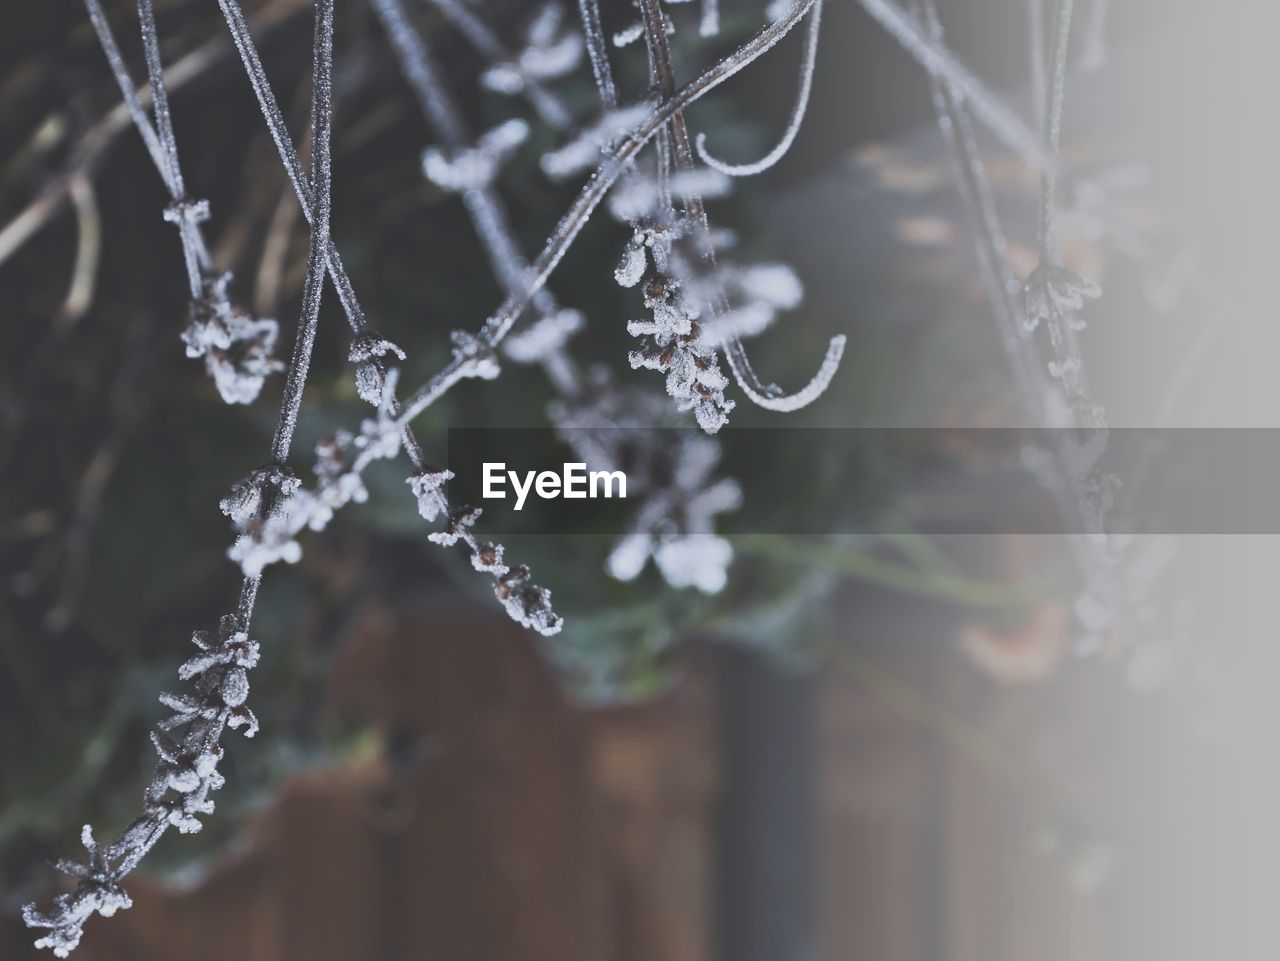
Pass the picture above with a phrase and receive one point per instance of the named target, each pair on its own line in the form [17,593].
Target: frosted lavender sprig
[186,773]
[1054,296]
[237,347]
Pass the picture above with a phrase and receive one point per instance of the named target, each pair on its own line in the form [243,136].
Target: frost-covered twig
[808,59]
[318,245]
[1081,497]
[237,347]
[1054,294]
[272,538]
[185,213]
[769,396]
[187,770]
[598,52]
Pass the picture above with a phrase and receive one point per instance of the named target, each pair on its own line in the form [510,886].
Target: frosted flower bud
[1053,294]
[187,211]
[428,488]
[248,495]
[367,352]
[488,559]
[234,687]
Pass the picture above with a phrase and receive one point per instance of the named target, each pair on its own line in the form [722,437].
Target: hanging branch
[237,348]
[162,146]
[267,541]
[269,506]
[808,59]
[1082,505]
[770,397]
[1055,295]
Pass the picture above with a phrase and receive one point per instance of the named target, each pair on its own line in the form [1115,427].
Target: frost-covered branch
[318,244]
[271,538]
[598,52]
[1054,294]
[770,397]
[809,58]
[237,347]
[1081,497]
[186,773]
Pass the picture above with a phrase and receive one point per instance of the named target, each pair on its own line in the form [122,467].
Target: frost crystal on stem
[237,347]
[185,775]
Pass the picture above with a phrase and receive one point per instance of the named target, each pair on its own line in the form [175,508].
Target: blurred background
[882,748]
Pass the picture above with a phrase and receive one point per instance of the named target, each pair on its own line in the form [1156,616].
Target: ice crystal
[632,265]
[255,492]
[458,527]
[187,213]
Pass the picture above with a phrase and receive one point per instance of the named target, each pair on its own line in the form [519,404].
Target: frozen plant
[270,509]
